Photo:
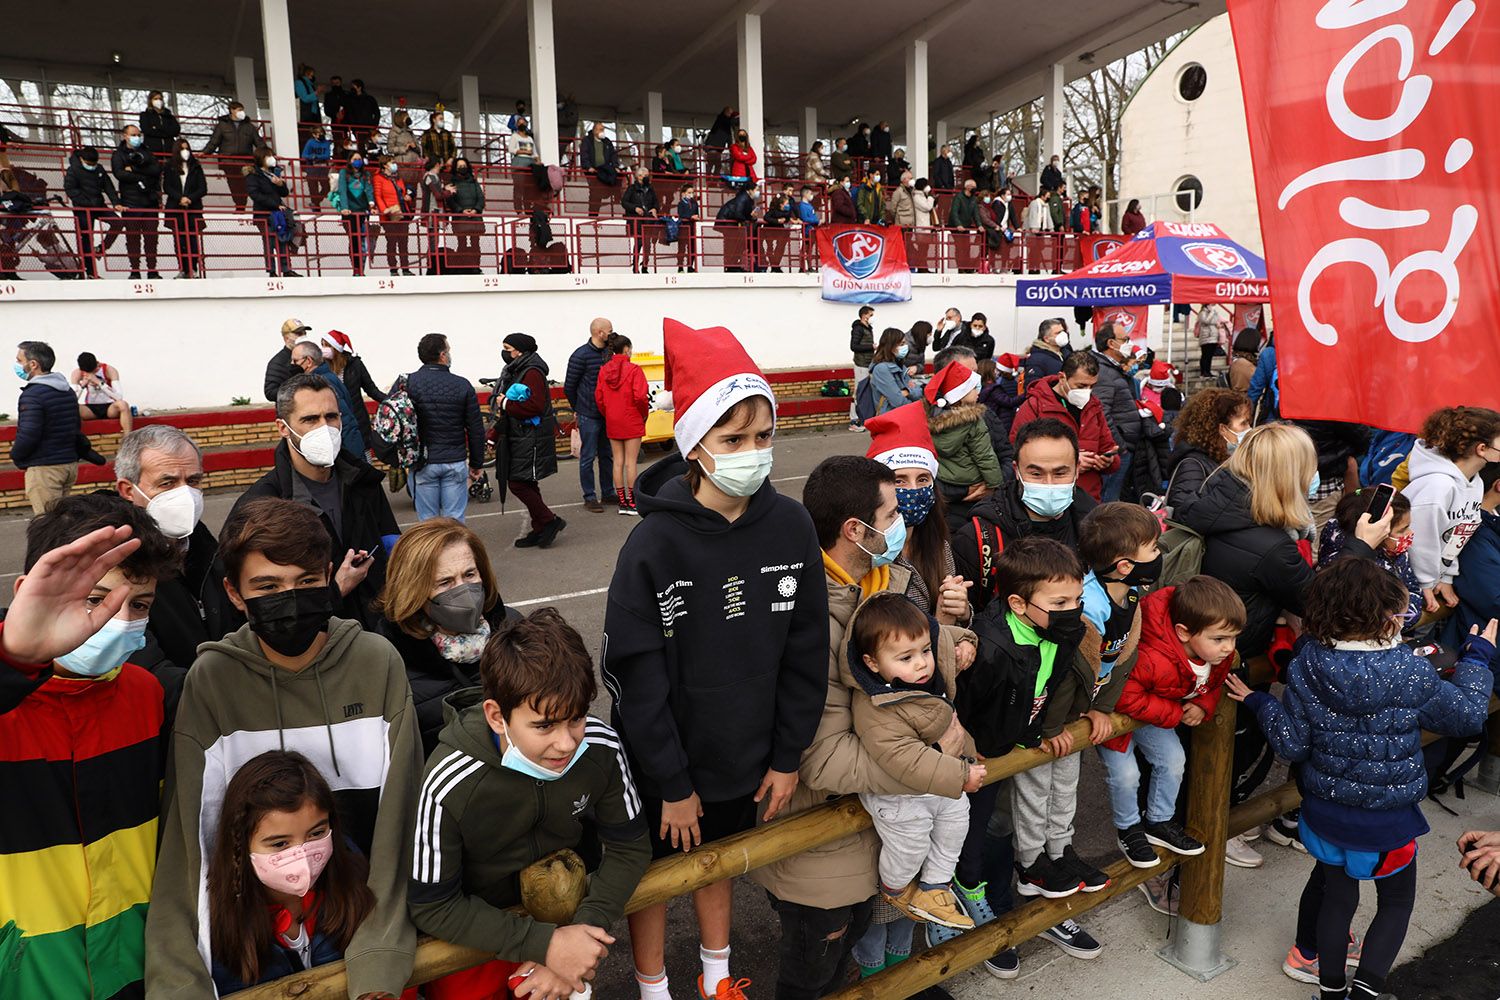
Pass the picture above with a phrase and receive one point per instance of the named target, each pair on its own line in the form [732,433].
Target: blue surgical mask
[903,350]
[107,649]
[1312,489]
[20,372]
[741,473]
[895,541]
[1047,499]
[516,761]
[915,503]
[134,141]
[1238,437]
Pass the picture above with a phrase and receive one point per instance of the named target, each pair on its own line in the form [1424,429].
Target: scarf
[878,579]
[463,648]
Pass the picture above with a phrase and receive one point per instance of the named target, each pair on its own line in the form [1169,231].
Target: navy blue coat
[448,420]
[1354,718]
[1478,583]
[47,423]
[582,376]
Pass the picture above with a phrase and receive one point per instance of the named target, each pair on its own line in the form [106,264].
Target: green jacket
[965,454]
[481,823]
[350,713]
[963,213]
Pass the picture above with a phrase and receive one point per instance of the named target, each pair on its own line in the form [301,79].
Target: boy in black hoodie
[716,634]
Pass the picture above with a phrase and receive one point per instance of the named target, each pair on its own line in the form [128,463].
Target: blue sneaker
[974,904]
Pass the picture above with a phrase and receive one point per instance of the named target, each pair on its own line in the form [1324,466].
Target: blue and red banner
[865,264]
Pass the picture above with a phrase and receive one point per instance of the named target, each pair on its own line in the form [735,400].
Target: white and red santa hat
[951,385]
[1161,375]
[899,438]
[1010,364]
[339,340]
[707,372]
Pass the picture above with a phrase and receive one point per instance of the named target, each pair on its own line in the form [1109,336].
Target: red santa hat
[951,385]
[1161,375]
[1010,364]
[339,340]
[707,372]
[899,438]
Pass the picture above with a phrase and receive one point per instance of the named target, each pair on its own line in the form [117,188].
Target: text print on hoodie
[716,640]
[1444,514]
[350,713]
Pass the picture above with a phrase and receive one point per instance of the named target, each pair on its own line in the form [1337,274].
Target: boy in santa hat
[716,635]
[967,467]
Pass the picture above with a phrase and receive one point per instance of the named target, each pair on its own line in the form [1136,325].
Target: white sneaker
[1251,834]
[1241,854]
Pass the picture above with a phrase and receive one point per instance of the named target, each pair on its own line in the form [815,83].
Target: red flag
[1377,169]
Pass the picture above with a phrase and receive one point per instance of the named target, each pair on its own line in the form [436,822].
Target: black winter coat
[87,188]
[448,421]
[639,199]
[359,383]
[862,343]
[940,173]
[264,195]
[1003,509]
[139,177]
[367,522]
[529,453]
[1187,469]
[433,678]
[1115,393]
[880,143]
[1336,442]
[189,184]
[232,138]
[278,370]
[995,697]
[160,130]
[361,110]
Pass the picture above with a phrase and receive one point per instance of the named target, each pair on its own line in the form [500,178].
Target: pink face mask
[1402,544]
[295,870]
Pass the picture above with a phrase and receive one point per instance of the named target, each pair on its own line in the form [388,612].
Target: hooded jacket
[621,396]
[1093,433]
[81,772]
[965,455]
[1163,681]
[350,713]
[88,188]
[529,425]
[1005,513]
[689,586]
[899,727]
[138,173]
[1003,698]
[1042,360]
[1444,513]
[433,678]
[1116,393]
[47,423]
[862,343]
[480,823]
[1352,716]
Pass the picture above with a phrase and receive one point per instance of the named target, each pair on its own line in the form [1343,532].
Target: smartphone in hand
[1380,501]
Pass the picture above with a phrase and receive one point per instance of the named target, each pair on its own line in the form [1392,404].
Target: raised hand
[51,614]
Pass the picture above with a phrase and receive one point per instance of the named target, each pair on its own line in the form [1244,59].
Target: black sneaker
[548,533]
[1136,848]
[529,540]
[1073,939]
[1045,878]
[1090,879]
[1174,838]
[154,275]
[1283,830]
[1006,965]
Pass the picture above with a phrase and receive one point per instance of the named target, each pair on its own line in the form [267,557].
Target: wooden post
[1212,758]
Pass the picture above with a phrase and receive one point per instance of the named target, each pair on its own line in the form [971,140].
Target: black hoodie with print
[716,640]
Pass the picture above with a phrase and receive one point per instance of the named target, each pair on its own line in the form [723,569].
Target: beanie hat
[1161,375]
[340,340]
[523,342]
[707,373]
[951,384]
[1010,364]
[899,438]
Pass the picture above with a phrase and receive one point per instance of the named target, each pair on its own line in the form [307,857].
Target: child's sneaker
[729,989]
[1045,878]
[1090,879]
[1174,838]
[936,906]
[1005,965]
[975,903]
[1241,854]
[1283,831]
[1136,848]
[1073,939]
[1161,894]
[1305,970]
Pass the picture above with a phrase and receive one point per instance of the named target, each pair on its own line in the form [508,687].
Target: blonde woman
[439,606]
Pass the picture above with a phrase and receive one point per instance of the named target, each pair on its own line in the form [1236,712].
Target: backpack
[335,200]
[864,401]
[1388,449]
[395,423]
[989,548]
[835,387]
[1181,554]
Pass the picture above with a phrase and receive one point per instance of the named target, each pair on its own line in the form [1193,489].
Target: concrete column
[244,85]
[809,128]
[752,98]
[543,79]
[653,117]
[280,77]
[1052,113]
[916,107]
[939,136]
[468,105]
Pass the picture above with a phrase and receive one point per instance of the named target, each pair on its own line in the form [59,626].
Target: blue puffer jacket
[47,423]
[1353,718]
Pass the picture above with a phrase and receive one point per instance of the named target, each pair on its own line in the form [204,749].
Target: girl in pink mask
[286,891]
[1391,554]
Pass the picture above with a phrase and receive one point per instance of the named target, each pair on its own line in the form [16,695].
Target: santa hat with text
[949,386]
[899,438]
[707,372]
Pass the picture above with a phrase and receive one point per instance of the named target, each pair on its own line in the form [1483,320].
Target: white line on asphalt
[557,597]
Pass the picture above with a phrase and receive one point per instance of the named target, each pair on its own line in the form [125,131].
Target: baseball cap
[294,326]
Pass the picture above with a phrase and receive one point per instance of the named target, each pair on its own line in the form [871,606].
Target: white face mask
[239,116]
[1061,340]
[175,511]
[320,446]
[185,153]
[270,163]
[157,104]
[1079,397]
[739,474]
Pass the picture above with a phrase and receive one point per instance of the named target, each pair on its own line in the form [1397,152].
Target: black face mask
[289,621]
[458,610]
[1063,627]
[1143,574]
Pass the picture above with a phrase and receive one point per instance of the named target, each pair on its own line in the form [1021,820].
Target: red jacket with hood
[621,396]
[1093,433]
[1157,689]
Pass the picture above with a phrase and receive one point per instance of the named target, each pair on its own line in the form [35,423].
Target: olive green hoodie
[479,823]
[350,713]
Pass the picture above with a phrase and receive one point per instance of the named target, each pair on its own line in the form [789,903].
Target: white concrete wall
[1163,137]
[199,343]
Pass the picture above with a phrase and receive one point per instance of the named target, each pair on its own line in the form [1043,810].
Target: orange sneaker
[729,989]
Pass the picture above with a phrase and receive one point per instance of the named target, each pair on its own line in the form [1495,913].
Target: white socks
[715,968]
[653,987]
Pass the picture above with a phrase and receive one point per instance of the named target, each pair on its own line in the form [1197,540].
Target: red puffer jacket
[621,396]
[1156,689]
[1093,433]
[742,160]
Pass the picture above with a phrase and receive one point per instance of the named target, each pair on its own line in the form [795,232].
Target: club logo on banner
[1095,247]
[1131,320]
[1381,263]
[863,264]
[1218,258]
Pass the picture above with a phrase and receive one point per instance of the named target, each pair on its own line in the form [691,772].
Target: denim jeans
[1122,774]
[441,490]
[880,940]
[1114,482]
[592,444]
[815,946]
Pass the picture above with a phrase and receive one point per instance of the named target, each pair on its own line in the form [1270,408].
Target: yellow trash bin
[658,422]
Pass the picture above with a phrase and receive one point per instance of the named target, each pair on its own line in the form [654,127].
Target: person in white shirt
[99,395]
